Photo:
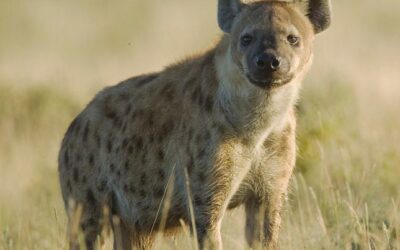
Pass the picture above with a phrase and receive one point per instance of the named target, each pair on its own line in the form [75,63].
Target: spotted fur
[198,134]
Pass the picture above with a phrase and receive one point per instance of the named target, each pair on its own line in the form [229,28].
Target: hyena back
[211,133]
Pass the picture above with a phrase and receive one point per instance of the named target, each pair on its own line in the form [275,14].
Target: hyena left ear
[227,11]
[318,11]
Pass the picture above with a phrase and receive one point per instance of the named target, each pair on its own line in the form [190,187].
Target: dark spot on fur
[196,93]
[108,110]
[160,154]
[130,149]
[109,145]
[166,129]
[143,159]
[79,157]
[209,103]
[151,138]
[86,131]
[207,135]
[113,204]
[132,139]
[91,160]
[143,179]
[124,97]
[201,153]
[209,59]
[97,138]
[118,149]
[161,174]
[167,91]
[200,98]
[142,193]
[150,119]
[139,203]
[133,116]
[71,127]
[126,188]
[118,123]
[132,189]
[142,80]
[75,174]
[91,222]
[84,179]
[127,165]
[66,158]
[202,230]
[102,185]
[158,192]
[90,198]
[190,133]
[208,200]
[78,128]
[198,138]
[140,113]
[161,137]
[219,127]
[202,177]
[188,84]
[190,165]
[112,168]
[128,109]
[137,226]
[124,127]
[139,143]
[198,201]
[125,143]
[69,186]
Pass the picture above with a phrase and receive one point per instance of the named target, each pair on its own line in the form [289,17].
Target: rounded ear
[318,11]
[227,11]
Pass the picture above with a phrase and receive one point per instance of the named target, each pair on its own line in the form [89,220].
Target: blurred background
[56,55]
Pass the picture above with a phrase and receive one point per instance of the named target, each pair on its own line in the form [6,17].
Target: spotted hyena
[211,133]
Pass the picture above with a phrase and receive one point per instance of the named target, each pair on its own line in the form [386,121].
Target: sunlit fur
[199,129]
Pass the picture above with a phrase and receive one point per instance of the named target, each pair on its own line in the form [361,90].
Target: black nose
[268,62]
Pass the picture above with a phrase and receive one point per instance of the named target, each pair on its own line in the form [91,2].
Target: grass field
[55,55]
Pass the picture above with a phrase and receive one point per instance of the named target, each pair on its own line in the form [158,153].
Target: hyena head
[271,41]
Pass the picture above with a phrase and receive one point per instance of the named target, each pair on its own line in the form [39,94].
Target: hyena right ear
[227,11]
[318,11]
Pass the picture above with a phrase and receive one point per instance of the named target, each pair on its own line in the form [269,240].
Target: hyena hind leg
[90,225]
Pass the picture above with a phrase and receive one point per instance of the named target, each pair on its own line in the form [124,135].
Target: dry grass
[56,55]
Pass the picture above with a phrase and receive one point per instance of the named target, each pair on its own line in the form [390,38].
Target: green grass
[32,123]
[344,192]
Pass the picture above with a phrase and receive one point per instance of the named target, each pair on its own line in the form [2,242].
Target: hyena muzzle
[208,134]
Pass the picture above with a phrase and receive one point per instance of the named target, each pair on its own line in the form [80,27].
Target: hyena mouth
[269,82]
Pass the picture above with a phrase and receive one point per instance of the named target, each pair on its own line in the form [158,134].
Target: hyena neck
[253,112]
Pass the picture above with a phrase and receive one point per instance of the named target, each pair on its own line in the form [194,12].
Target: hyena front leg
[264,205]
[263,221]
[207,212]
[209,235]
[214,200]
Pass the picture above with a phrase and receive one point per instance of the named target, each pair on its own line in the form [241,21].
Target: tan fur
[235,140]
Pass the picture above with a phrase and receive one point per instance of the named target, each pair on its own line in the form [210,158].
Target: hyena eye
[246,40]
[293,40]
